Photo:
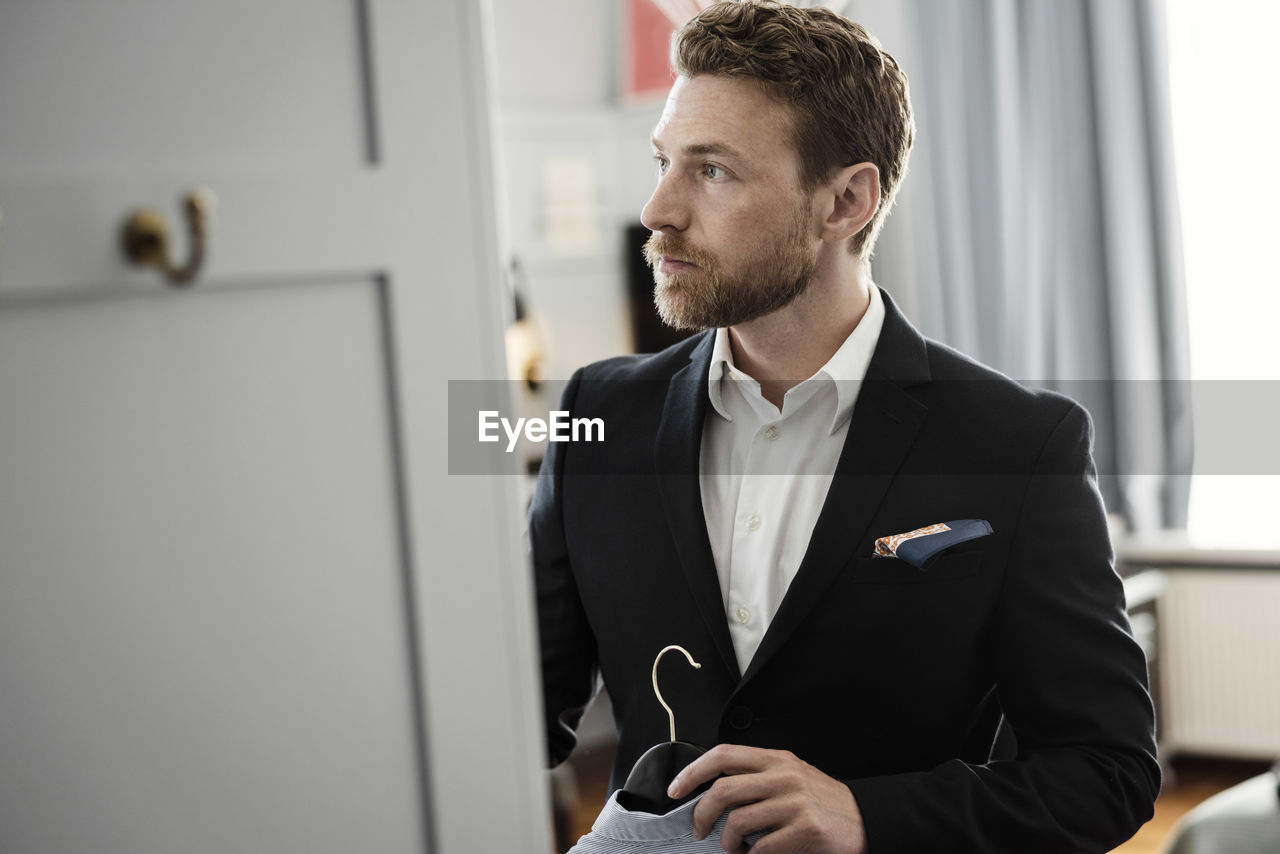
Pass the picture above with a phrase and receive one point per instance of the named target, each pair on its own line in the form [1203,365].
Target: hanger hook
[696,666]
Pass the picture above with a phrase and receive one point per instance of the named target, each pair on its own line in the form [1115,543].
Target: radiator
[1220,663]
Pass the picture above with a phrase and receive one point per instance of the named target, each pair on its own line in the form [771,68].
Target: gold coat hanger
[696,666]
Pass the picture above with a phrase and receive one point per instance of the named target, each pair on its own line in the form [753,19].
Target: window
[1225,72]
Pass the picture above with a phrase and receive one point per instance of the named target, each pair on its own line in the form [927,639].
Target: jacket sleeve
[568,646]
[1072,683]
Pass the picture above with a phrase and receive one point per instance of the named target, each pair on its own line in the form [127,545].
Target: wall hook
[145,238]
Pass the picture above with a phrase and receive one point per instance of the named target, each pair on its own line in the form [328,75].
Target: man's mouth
[671,264]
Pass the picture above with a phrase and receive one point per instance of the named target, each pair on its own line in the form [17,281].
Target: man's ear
[855,195]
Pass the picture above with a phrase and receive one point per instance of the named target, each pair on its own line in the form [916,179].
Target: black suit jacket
[889,678]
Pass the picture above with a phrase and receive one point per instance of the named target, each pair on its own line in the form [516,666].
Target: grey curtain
[1038,229]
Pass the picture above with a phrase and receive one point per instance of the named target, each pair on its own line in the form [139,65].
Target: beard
[769,277]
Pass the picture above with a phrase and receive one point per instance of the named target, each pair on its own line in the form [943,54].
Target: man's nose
[666,209]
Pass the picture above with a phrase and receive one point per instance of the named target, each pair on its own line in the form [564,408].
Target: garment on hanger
[646,786]
[621,831]
[639,817]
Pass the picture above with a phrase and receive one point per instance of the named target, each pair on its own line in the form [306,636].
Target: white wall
[566,180]
[555,55]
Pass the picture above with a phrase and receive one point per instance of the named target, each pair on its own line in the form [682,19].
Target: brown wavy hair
[849,99]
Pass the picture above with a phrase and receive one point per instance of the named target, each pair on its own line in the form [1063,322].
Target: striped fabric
[618,831]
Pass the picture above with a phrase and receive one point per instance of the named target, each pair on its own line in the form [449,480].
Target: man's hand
[801,808]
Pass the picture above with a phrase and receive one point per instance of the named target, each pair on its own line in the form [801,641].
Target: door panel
[264,85]
[202,595]
[243,604]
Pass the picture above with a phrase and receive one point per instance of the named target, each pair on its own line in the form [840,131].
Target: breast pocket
[946,567]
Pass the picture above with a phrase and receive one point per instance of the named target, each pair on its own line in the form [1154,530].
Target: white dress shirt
[620,831]
[764,473]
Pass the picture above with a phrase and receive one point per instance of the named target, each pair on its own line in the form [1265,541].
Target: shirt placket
[751,553]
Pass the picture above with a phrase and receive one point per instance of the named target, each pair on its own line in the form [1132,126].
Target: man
[745,503]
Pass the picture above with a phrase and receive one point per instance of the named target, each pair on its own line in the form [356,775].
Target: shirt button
[753,522]
[772,432]
[742,615]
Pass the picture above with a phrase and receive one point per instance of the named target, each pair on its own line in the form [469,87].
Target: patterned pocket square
[918,546]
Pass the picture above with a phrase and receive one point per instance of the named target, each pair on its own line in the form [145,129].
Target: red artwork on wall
[649,34]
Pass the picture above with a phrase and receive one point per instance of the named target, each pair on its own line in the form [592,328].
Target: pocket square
[918,546]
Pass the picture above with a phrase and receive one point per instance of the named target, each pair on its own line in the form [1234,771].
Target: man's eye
[712,171]
[662,164]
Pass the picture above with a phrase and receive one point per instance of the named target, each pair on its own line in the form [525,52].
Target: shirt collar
[846,367]
[615,822]
[721,362]
[618,824]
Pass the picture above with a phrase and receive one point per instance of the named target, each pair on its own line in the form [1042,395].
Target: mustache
[662,244]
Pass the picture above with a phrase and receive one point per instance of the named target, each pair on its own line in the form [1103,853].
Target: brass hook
[696,666]
[145,238]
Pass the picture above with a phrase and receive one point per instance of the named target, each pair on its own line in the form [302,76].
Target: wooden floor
[1190,781]
[591,773]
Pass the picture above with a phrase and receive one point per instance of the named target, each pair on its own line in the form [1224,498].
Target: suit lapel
[676,456]
[882,429]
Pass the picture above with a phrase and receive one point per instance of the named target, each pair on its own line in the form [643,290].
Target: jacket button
[740,717]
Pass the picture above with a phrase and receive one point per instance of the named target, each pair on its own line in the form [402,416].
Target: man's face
[734,234]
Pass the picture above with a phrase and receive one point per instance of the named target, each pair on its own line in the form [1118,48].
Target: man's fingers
[721,759]
[753,818]
[784,840]
[730,792]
